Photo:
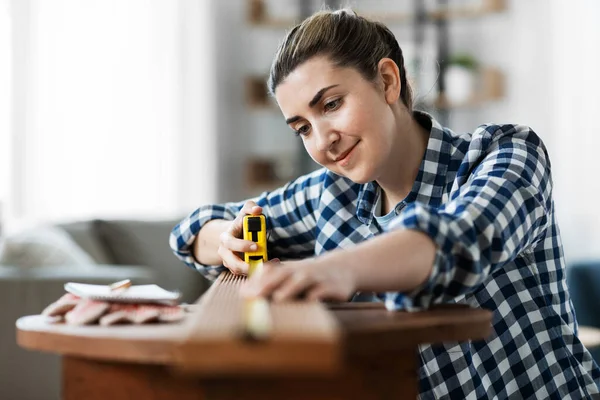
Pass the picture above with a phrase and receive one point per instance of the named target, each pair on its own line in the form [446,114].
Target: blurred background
[148,108]
[119,117]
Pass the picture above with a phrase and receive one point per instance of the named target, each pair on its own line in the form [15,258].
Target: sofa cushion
[86,236]
[41,247]
[145,242]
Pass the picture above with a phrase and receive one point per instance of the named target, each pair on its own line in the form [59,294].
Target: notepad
[132,294]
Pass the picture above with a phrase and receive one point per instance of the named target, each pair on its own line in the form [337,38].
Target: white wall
[231,135]
[550,53]
[243,49]
[574,91]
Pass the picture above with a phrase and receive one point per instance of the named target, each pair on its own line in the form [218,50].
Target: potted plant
[460,77]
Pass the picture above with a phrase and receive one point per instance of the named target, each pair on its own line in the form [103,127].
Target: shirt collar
[429,184]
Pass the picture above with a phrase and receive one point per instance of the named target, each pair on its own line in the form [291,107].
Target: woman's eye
[303,130]
[333,105]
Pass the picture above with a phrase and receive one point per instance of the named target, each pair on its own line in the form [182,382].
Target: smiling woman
[423,216]
[352,120]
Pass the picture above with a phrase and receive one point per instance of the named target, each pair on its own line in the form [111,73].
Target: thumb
[274,262]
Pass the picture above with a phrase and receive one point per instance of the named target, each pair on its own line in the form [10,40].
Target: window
[109,98]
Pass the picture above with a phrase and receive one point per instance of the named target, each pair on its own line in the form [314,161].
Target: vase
[460,84]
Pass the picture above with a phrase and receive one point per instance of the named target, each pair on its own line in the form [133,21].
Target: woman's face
[345,122]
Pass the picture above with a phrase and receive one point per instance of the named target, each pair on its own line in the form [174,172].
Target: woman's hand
[309,278]
[231,242]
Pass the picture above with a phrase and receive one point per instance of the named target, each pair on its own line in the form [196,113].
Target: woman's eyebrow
[318,96]
[311,103]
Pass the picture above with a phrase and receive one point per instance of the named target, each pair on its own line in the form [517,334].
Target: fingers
[231,242]
[266,281]
[317,293]
[280,283]
[249,208]
[235,244]
[322,292]
[232,262]
[293,287]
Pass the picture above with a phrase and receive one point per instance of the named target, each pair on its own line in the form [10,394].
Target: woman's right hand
[231,242]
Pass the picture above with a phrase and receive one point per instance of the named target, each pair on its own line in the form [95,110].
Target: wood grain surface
[308,336]
[315,351]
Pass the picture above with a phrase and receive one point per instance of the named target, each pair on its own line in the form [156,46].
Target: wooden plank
[304,337]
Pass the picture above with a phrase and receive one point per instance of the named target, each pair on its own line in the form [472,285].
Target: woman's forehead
[311,76]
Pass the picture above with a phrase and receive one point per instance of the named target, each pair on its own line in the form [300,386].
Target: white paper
[135,293]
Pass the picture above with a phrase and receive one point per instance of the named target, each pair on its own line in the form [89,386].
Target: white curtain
[575,90]
[111,108]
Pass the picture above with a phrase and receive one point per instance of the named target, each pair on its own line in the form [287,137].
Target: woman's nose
[326,138]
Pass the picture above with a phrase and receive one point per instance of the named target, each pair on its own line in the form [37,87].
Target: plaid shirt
[485,199]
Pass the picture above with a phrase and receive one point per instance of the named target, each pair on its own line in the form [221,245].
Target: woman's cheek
[312,151]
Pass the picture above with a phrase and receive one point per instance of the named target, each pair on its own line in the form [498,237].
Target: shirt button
[399,208]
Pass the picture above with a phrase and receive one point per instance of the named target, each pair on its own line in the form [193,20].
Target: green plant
[464,60]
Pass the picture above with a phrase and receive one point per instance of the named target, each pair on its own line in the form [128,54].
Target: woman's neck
[403,166]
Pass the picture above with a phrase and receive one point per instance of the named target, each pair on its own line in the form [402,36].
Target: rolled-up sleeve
[496,212]
[290,215]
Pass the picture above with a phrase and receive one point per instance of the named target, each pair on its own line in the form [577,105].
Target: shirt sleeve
[290,214]
[497,211]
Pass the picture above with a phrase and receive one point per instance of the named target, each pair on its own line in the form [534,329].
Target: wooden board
[304,337]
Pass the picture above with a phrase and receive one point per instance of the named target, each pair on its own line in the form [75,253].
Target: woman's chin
[358,176]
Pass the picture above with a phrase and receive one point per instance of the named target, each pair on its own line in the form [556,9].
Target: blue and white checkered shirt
[485,199]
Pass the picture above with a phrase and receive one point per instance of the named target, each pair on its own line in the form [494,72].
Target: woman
[410,212]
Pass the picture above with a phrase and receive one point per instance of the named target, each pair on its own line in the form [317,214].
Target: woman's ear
[390,76]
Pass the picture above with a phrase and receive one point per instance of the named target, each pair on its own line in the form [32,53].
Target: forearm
[397,261]
[207,242]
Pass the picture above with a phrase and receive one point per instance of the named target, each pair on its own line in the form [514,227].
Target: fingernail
[253,247]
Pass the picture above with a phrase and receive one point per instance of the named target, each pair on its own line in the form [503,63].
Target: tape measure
[257,318]
[255,229]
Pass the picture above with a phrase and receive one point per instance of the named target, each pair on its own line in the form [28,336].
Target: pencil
[124,284]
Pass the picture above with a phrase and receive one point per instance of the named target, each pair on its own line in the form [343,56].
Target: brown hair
[347,39]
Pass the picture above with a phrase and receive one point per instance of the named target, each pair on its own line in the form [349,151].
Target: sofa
[94,251]
[583,278]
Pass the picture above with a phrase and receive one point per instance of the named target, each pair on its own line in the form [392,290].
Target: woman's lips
[346,158]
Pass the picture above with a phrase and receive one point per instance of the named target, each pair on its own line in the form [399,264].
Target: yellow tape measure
[257,318]
[255,229]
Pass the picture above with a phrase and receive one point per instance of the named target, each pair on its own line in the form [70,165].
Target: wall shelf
[261,175]
[257,94]
[258,14]
[490,88]
[486,7]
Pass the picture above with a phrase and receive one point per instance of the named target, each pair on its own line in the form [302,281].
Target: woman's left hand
[288,280]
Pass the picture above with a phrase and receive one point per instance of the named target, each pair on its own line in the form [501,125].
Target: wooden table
[379,358]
